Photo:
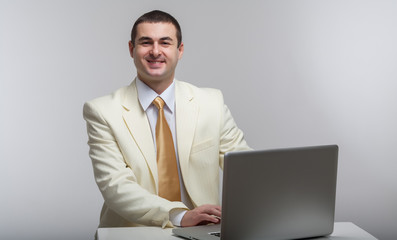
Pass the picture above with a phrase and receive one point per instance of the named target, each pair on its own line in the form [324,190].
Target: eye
[145,43]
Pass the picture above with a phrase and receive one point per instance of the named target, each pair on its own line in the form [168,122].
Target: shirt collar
[146,95]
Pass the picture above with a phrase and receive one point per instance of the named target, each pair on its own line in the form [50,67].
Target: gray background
[293,73]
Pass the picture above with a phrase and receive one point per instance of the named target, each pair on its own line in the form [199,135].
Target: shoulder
[108,102]
[190,90]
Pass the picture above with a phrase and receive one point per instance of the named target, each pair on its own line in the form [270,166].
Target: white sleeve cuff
[176,216]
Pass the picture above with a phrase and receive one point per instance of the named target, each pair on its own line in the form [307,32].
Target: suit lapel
[138,125]
[186,119]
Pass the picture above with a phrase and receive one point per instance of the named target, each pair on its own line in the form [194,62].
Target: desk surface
[342,231]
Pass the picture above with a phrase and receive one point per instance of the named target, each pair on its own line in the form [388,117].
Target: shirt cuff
[176,216]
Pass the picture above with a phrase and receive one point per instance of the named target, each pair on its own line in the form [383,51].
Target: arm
[117,180]
[231,138]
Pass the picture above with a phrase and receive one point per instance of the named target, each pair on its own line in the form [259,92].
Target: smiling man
[156,145]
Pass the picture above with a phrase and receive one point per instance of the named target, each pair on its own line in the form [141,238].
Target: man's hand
[204,214]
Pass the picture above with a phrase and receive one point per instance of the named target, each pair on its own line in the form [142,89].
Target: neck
[159,86]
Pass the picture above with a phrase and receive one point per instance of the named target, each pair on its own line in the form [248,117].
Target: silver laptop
[275,194]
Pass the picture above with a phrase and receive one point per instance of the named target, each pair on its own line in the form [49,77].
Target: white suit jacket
[124,158]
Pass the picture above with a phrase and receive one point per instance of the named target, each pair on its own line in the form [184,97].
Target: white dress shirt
[146,95]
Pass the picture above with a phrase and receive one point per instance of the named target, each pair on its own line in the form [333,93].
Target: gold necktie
[166,160]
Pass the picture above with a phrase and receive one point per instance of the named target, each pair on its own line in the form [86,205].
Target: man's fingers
[211,209]
[209,219]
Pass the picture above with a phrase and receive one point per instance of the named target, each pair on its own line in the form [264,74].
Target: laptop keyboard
[216,234]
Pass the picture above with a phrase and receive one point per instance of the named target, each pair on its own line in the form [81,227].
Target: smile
[155,61]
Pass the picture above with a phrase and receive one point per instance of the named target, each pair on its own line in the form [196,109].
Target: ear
[181,49]
[131,48]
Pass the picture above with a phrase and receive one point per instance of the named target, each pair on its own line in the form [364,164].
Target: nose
[155,52]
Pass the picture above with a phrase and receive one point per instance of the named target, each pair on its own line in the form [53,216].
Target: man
[132,166]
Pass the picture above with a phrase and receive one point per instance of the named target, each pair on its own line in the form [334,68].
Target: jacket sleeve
[115,178]
[231,137]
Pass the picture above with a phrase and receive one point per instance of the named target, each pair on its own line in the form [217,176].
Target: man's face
[156,53]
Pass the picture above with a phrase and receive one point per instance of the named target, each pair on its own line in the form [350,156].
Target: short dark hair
[156,16]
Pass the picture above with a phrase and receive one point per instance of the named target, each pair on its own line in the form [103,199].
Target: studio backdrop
[293,73]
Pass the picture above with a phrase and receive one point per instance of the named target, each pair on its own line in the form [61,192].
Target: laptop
[275,194]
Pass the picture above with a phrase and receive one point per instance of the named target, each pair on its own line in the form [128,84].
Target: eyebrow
[149,38]
[166,39]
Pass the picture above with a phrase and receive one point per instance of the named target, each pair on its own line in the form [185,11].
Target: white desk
[342,231]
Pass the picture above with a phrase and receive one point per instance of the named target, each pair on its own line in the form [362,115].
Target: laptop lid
[276,194]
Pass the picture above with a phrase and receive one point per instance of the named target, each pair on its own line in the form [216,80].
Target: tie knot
[158,102]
